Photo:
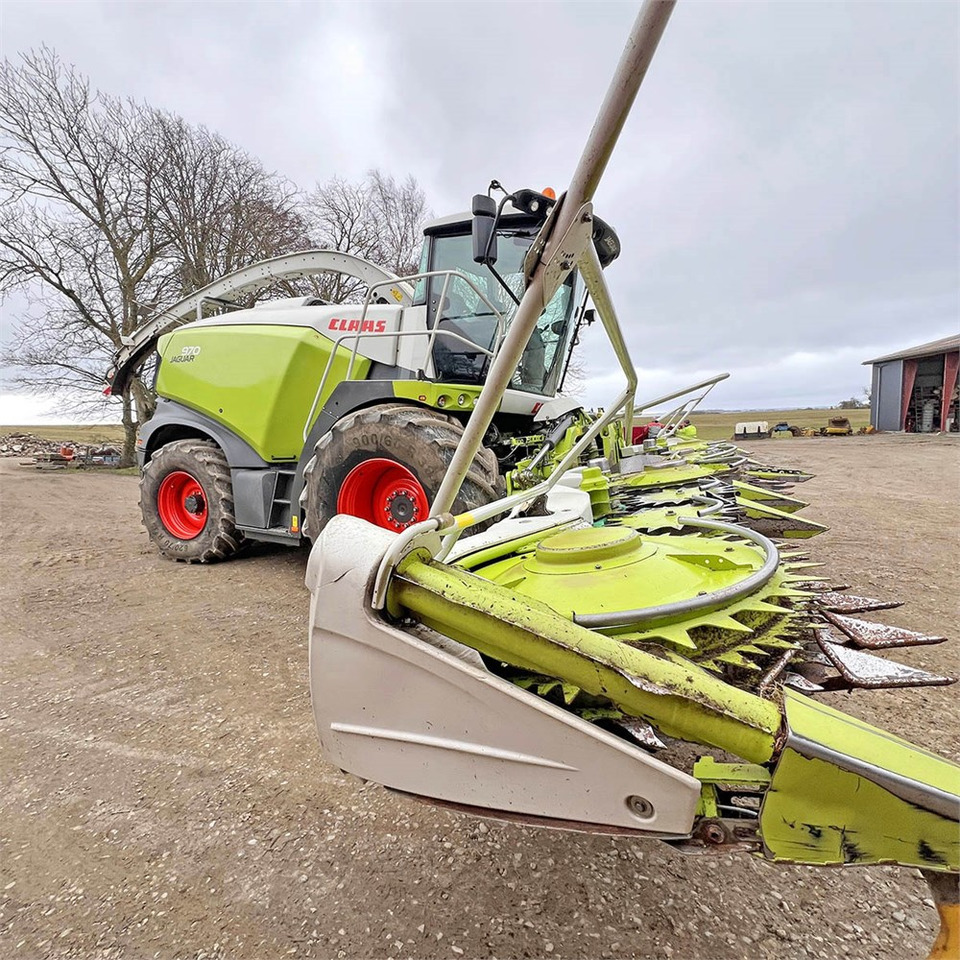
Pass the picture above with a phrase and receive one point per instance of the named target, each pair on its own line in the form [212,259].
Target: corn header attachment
[630,602]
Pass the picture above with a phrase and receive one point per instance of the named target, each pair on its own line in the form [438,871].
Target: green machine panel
[260,381]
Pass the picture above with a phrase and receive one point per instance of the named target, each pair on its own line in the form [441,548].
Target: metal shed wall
[886,395]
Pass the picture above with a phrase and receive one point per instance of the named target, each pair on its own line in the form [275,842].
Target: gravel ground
[164,796]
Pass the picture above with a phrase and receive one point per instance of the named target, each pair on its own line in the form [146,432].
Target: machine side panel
[174,421]
[258,381]
[878,799]
[253,496]
[426,719]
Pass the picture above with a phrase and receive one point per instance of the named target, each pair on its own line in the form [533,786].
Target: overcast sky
[785,190]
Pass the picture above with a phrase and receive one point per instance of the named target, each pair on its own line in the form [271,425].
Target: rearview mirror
[482,228]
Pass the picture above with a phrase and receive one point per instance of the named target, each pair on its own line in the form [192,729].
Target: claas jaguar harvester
[271,420]
[537,658]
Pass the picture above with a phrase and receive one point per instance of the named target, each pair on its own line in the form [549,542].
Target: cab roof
[510,214]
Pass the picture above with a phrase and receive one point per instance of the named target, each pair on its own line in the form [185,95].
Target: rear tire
[406,440]
[186,498]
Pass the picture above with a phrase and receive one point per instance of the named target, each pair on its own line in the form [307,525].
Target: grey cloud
[786,188]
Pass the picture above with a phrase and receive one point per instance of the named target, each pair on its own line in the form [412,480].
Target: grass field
[72,432]
[720,425]
[710,426]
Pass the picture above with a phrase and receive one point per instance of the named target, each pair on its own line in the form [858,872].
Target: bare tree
[110,210]
[221,209]
[399,211]
[78,228]
[575,377]
[377,219]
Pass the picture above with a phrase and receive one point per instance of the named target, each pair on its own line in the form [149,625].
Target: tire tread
[481,484]
[227,540]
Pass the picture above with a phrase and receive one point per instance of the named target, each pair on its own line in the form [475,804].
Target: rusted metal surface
[797,682]
[777,486]
[824,586]
[837,602]
[641,732]
[721,835]
[858,669]
[773,674]
[789,526]
[878,636]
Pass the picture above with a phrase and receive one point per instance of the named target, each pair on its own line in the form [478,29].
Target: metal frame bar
[432,333]
[683,390]
[245,280]
[592,273]
[356,337]
[446,274]
[553,252]
[564,241]
[708,384]
[596,284]
[620,402]
[226,305]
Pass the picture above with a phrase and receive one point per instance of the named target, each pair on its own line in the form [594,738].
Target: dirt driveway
[163,794]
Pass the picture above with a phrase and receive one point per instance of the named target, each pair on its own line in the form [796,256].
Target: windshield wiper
[486,258]
[503,283]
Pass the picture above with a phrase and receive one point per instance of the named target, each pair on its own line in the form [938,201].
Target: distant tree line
[856,403]
[111,210]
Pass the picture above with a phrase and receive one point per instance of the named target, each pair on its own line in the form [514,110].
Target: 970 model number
[186,355]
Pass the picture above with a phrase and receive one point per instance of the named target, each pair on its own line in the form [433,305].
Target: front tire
[385,464]
[186,499]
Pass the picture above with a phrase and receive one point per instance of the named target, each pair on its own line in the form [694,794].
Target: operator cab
[464,312]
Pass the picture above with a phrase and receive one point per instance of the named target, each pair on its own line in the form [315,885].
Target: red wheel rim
[385,493]
[182,505]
